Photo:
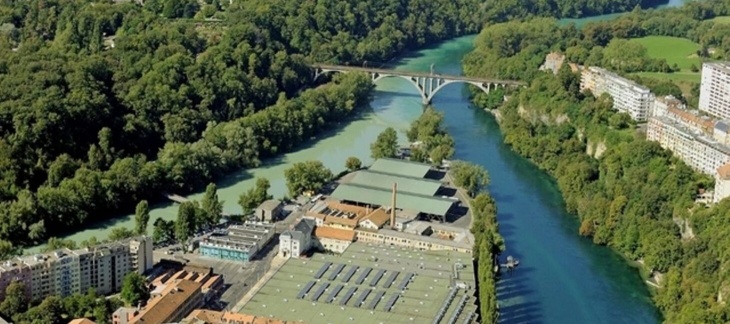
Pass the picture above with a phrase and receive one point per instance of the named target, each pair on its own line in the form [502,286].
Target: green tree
[352,163]
[8,250]
[309,176]
[15,301]
[212,207]
[163,230]
[56,243]
[252,198]
[134,289]
[186,220]
[386,145]
[469,176]
[120,233]
[141,217]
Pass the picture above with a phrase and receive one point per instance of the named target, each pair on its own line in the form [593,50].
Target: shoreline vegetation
[631,195]
[92,124]
[429,133]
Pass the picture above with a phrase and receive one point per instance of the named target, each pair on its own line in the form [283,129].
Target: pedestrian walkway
[276,263]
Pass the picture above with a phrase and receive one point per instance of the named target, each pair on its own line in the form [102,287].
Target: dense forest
[633,195]
[104,104]
[507,10]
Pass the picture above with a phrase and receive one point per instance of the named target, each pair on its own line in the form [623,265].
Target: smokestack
[392,207]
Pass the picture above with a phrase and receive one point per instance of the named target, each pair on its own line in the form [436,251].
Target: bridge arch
[427,86]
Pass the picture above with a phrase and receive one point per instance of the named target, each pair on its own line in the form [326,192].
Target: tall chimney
[392,207]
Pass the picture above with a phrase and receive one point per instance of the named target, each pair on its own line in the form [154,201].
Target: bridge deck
[414,74]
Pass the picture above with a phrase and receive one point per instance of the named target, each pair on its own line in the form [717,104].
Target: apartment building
[64,272]
[699,151]
[722,183]
[628,96]
[715,89]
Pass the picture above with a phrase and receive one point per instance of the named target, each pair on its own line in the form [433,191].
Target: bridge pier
[427,84]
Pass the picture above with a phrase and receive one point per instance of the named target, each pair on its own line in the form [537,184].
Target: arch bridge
[427,84]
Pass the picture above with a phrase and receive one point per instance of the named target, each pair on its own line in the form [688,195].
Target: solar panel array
[320,291]
[362,297]
[442,311]
[376,300]
[405,281]
[390,280]
[391,302]
[364,274]
[337,271]
[349,273]
[334,293]
[459,308]
[377,277]
[322,270]
[347,296]
[305,290]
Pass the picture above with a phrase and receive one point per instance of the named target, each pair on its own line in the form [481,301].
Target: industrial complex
[371,283]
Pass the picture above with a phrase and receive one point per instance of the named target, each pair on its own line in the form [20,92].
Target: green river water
[563,278]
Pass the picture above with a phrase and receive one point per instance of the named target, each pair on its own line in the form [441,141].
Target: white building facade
[628,96]
[715,89]
[722,183]
[295,241]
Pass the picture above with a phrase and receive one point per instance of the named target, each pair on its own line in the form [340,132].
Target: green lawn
[721,20]
[680,51]
[675,50]
[676,76]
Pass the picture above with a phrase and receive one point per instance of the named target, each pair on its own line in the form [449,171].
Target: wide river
[563,278]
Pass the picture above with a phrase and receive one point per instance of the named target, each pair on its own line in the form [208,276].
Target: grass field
[676,76]
[721,20]
[675,50]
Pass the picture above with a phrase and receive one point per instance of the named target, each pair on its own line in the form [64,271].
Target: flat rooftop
[382,197]
[385,181]
[423,299]
[400,167]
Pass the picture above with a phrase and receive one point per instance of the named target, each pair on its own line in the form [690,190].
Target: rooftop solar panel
[405,281]
[320,291]
[305,290]
[337,271]
[377,277]
[374,302]
[322,270]
[349,273]
[364,274]
[364,294]
[444,306]
[391,302]
[391,279]
[347,296]
[334,293]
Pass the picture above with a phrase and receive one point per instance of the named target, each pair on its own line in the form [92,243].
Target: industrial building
[416,194]
[371,283]
[64,272]
[240,243]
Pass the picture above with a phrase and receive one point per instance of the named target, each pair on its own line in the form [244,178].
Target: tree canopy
[134,289]
[308,176]
[169,101]
[252,198]
[386,145]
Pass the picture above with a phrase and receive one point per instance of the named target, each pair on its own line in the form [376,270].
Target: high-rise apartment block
[699,151]
[628,96]
[64,272]
[715,89]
